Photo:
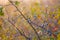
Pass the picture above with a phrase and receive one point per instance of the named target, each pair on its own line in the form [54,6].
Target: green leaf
[51,38]
[1,14]
[17,3]
[33,10]
[34,38]
[1,11]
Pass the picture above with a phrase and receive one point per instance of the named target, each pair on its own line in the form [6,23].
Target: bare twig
[26,19]
[16,27]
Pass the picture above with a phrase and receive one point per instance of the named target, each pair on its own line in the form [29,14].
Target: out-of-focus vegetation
[45,20]
[1,11]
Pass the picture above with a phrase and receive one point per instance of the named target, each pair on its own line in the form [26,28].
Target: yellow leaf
[56,17]
[59,22]
[0,22]
[58,36]
[39,16]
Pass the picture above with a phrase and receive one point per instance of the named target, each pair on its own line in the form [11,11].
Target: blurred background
[29,19]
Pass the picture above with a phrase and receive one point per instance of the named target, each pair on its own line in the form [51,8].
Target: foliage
[4,37]
[1,11]
[0,27]
[46,20]
[58,36]
[17,3]
[34,38]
